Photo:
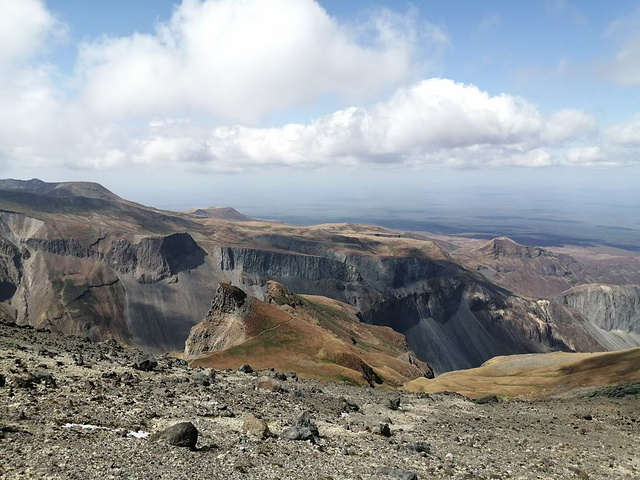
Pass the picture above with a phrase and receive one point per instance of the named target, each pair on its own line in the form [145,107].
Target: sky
[267,103]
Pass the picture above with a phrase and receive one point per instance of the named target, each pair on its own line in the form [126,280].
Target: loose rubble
[71,409]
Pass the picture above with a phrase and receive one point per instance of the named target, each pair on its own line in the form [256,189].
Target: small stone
[298,433]
[420,447]
[256,426]
[3,380]
[348,405]
[201,379]
[487,399]
[246,368]
[382,429]
[394,403]
[399,474]
[587,417]
[303,419]
[580,473]
[269,384]
[279,376]
[183,434]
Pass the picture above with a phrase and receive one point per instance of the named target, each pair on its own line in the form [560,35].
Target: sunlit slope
[536,375]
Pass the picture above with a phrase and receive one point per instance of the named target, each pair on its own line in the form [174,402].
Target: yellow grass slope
[536,375]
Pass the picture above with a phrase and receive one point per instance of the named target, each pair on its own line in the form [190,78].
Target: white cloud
[187,96]
[436,122]
[25,25]
[626,134]
[242,60]
[624,65]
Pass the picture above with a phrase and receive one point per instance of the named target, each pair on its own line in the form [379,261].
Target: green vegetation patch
[621,390]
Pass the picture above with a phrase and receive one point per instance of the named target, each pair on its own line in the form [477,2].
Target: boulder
[183,434]
[246,368]
[486,399]
[256,426]
[269,384]
[145,363]
[303,419]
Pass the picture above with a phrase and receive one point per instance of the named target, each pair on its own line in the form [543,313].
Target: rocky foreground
[73,409]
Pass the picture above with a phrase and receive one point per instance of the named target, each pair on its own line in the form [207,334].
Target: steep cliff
[613,311]
[452,318]
[113,288]
[223,326]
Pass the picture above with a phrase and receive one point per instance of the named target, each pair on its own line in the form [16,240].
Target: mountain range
[357,303]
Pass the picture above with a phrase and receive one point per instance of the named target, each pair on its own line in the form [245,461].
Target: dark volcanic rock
[394,403]
[381,429]
[399,474]
[146,363]
[486,399]
[183,434]
[245,369]
[298,433]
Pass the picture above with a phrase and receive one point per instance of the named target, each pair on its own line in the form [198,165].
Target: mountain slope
[536,376]
[77,259]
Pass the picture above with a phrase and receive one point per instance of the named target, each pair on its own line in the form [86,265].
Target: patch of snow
[84,426]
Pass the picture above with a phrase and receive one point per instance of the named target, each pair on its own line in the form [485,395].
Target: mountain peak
[220,213]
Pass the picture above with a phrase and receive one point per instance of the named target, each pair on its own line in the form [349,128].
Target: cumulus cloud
[25,25]
[242,60]
[435,122]
[189,97]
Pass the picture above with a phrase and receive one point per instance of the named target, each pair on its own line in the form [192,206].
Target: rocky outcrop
[223,326]
[451,318]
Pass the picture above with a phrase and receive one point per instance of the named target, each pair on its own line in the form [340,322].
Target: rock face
[610,307]
[223,325]
[452,319]
[613,310]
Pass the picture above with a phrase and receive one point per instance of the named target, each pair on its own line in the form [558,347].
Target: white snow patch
[84,426]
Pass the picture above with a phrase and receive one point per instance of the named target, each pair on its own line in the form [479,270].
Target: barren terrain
[71,409]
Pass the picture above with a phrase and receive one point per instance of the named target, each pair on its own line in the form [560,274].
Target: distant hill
[62,189]
[220,213]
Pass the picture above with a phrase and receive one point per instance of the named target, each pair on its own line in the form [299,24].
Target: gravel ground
[48,381]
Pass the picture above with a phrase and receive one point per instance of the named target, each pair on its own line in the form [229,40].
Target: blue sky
[200,95]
